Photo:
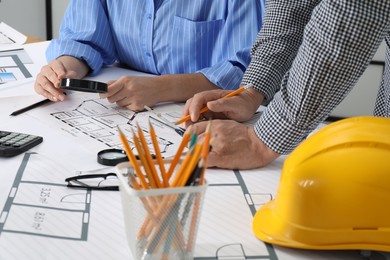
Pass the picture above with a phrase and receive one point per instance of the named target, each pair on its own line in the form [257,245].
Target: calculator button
[14,143]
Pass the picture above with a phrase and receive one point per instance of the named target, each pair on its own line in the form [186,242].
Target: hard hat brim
[271,228]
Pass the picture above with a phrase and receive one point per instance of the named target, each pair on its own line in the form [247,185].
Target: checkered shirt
[307,57]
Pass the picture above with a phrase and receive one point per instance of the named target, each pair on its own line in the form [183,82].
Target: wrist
[263,152]
[254,99]
[79,66]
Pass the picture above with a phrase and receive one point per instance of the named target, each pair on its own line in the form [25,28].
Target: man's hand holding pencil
[235,145]
[221,104]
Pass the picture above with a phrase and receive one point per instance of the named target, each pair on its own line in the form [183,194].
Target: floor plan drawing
[99,120]
[47,203]
[55,212]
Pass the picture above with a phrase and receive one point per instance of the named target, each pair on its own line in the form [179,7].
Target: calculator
[14,143]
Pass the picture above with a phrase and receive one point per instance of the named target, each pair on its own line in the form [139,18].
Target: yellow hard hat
[334,191]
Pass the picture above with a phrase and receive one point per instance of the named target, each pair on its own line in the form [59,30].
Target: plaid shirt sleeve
[306,59]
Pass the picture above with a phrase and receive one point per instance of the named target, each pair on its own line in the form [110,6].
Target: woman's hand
[48,79]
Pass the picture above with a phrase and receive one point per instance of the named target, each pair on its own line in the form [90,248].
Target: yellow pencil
[206,141]
[132,158]
[187,166]
[185,175]
[184,142]
[158,155]
[148,157]
[204,109]
[144,161]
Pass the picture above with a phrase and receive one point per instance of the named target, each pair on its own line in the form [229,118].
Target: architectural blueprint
[43,219]
[43,197]
[60,215]
[94,122]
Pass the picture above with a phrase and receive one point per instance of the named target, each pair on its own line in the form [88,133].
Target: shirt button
[148,54]
[149,16]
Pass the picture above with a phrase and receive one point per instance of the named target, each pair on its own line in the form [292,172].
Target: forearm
[73,64]
[180,87]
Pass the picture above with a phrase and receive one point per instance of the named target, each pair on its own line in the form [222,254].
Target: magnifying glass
[83,85]
[111,157]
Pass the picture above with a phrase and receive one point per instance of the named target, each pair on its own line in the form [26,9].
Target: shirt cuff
[277,133]
[264,78]
[224,75]
[75,49]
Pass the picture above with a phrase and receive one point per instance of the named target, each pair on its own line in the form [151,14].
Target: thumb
[222,105]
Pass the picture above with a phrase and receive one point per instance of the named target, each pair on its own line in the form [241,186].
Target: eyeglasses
[94,181]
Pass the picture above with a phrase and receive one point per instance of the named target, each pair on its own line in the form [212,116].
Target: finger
[130,104]
[58,69]
[186,107]
[185,113]
[37,84]
[212,159]
[48,73]
[135,107]
[199,127]
[113,93]
[193,108]
[201,100]
[45,87]
[223,105]
[109,91]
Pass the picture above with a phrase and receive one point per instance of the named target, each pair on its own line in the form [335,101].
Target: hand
[48,80]
[133,92]
[240,108]
[235,146]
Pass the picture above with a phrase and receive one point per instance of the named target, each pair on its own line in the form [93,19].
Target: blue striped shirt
[213,37]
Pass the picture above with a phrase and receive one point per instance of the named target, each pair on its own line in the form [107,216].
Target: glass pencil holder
[161,223]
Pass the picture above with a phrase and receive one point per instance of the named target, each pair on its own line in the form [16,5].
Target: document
[43,219]
[12,66]
[9,37]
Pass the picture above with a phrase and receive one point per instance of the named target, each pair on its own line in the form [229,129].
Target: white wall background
[26,16]
[58,9]
[361,100]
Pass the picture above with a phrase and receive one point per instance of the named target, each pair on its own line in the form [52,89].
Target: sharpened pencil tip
[119,130]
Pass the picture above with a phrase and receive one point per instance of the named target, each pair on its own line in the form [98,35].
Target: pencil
[144,161]
[204,109]
[28,108]
[186,168]
[158,154]
[148,157]
[184,141]
[206,141]
[132,158]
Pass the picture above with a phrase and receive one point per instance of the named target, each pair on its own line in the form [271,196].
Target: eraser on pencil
[83,85]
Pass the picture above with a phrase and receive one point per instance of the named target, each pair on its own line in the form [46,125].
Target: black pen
[32,106]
